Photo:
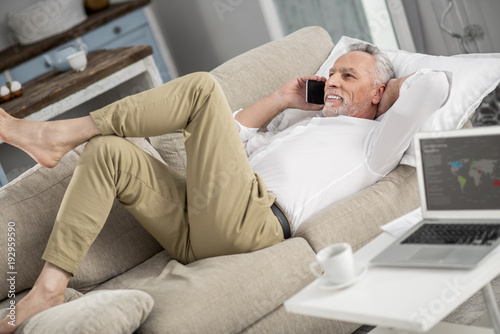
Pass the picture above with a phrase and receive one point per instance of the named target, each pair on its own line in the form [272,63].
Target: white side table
[401,300]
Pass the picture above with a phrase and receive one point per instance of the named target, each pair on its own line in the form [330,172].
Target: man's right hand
[293,93]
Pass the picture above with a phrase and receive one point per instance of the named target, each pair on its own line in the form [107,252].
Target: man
[222,205]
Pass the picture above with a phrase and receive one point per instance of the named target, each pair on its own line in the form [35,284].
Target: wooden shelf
[54,86]
[18,54]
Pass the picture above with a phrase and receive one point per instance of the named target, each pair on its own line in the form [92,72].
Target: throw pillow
[108,311]
[473,77]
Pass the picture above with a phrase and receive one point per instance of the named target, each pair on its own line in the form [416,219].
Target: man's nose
[333,81]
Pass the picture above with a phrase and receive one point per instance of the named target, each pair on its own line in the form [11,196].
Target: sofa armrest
[357,218]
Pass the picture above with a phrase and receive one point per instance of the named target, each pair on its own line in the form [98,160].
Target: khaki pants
[220,207]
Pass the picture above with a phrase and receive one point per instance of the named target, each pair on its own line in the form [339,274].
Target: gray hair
[384,71]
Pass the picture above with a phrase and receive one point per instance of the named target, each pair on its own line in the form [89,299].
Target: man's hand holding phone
[290,95]
[293,93]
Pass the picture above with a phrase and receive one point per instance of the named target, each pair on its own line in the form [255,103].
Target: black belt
[287,232]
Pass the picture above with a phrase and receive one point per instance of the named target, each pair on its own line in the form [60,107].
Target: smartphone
[315,92]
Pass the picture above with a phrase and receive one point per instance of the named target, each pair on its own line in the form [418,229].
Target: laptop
[459,181]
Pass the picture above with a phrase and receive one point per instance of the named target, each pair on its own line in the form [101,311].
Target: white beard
[346,109]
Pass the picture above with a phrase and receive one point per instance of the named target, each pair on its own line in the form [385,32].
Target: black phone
[315,92]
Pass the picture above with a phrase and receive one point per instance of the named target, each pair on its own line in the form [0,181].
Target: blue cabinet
[128,30]
[3,177]
[122,26]
[35,66]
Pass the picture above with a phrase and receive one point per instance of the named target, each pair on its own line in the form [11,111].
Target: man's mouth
[333,97]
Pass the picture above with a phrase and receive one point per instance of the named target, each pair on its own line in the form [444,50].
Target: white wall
[486,13]
[203,34]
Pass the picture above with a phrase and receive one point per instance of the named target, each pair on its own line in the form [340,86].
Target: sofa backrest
[257,73]
[254,75]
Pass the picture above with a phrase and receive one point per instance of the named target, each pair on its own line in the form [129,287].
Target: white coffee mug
[78,60]
[337,263]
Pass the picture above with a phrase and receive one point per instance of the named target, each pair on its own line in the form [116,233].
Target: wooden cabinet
[129,29]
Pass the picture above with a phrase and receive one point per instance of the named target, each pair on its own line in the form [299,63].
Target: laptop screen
[461,172]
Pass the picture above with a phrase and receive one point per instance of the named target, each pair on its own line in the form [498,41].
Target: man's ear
[377,96]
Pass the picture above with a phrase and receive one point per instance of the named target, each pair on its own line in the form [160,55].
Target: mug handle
[313,267]
[82,46]
[48,61]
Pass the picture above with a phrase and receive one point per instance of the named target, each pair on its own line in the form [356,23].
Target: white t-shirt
[313,162]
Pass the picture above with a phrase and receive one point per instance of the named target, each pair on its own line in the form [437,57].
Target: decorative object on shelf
[5,93]
[45,19]
[77,61]
[16,88]
[488,112]
[59,59]
[95,5]
[470,34]
[11,90]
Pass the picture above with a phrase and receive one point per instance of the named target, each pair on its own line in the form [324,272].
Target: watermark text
[11,271]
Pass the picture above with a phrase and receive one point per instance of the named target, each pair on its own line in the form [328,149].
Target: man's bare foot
[36,301]
[46,142]
[47,292]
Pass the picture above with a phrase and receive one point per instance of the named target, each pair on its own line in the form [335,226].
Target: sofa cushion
[31,202]
[5,305]
[118,311]
[280,321]
[356,219]
[219,295]
[171,148]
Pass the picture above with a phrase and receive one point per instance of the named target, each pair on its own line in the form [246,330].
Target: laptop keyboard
[465,234]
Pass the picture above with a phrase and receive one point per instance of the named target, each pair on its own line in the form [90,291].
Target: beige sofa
[231,294]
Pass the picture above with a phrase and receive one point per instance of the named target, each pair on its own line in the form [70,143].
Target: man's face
[349,90]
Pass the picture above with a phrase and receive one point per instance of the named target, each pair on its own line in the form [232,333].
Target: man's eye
[348,75]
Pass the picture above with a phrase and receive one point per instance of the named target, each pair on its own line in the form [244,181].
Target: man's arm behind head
[391,94]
